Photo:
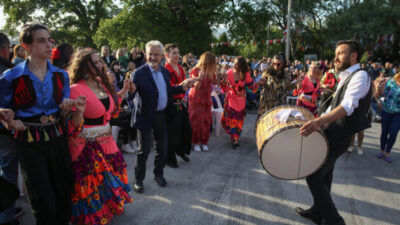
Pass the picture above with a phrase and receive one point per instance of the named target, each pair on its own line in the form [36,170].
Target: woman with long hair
[200,100]
[308,89]
[62,55]
[19,54]
[122,59]
[100,178]
[235,102]
[390,113]
[115,70]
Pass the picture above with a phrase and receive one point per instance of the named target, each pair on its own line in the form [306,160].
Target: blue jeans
[390,128]
[9,170]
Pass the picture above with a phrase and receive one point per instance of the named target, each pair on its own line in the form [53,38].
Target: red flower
[55,54]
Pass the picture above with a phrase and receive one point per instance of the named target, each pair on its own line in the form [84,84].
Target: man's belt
[41,119]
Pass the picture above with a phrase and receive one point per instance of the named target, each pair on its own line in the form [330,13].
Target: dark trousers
[46,168]
[390,128]
[320,182]
[179,135]
[159,128]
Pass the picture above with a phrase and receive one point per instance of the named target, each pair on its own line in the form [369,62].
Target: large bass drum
[284,153]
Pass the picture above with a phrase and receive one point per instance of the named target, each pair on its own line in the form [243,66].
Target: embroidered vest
[24,93]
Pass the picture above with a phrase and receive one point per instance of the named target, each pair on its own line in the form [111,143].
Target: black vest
[354,123]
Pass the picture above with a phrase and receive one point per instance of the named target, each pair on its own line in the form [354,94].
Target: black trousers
[159,128]
[179,135]
[47,172]
[320,182]
[124,121]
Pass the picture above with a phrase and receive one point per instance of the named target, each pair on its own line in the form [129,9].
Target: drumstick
[298,171]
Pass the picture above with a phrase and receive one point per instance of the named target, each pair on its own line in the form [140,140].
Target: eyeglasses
[277,64]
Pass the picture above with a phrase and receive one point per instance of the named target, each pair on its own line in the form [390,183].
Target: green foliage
[73,21]
[316,24]
[368,20]
[187,23]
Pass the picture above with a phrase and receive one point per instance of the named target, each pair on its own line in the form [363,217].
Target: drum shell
[284,153]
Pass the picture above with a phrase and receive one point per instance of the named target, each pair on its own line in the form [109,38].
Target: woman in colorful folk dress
[308,89]
[100,179]
[235,102]
[200,100]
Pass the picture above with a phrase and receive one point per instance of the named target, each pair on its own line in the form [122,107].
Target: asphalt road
[227,186]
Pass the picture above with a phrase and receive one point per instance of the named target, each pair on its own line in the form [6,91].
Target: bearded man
[276,85]
[344,116]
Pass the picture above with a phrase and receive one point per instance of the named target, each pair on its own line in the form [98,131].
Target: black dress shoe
[138,186]
[184,157]
[161,181]
[339,222]
[310,214]
[172,165]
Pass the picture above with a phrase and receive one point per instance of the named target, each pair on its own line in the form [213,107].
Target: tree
[371,27]
[73,21]
[249,21]
[187,23]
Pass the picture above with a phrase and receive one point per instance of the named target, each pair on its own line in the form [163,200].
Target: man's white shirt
[356,90]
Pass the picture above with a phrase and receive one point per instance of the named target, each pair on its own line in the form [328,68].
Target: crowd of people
[68,114]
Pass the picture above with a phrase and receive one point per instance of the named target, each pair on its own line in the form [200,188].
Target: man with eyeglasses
[275,83]
[38,93]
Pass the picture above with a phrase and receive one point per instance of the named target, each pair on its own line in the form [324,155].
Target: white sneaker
[127,148]
[196,148]
[133,145]
[204,148]
[351,149]
[360,151]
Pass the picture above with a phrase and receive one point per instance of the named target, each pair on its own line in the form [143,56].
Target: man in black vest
[344,116]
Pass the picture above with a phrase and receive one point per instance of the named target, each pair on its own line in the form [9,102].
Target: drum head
[288,155]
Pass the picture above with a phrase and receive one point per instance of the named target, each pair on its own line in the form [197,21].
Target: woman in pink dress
[200,100]
[235,102]
[100,179]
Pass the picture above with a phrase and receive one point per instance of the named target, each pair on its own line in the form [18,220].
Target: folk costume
[235,104]
[42,148]
[200,108]
[179,129]
[274,91]
[308,94]
[100,179]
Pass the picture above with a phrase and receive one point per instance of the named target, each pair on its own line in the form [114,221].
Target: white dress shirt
[356,90]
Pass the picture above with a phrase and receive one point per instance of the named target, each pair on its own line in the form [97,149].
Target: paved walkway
[226,186]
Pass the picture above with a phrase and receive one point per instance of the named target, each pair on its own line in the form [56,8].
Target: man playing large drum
[343,116]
